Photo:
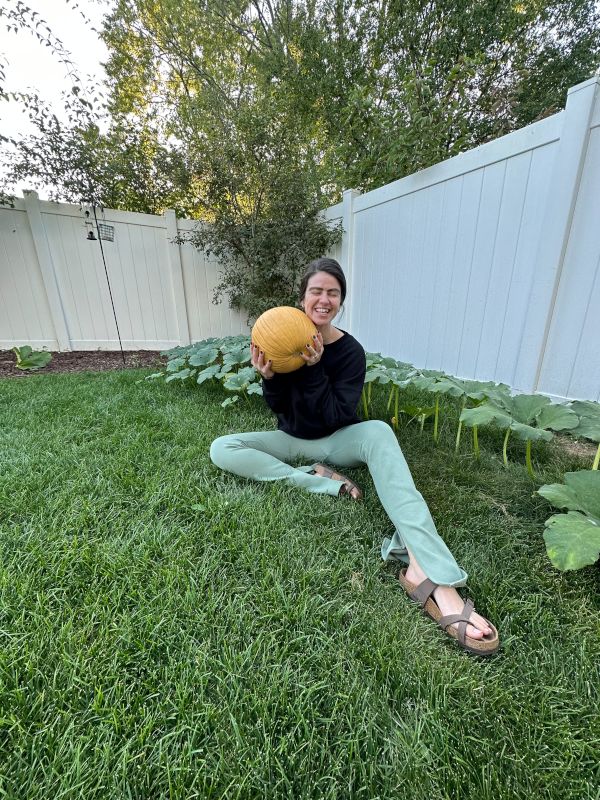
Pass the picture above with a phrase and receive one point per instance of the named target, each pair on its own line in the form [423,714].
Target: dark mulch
[83,361]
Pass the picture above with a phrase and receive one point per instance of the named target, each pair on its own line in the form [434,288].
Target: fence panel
[571,366]
[25,316]
[200,279]
[438,266]
[486,265]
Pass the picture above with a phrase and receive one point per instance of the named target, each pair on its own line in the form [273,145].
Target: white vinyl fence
[54,291]
[486,266]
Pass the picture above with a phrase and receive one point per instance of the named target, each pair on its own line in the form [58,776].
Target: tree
[380,89]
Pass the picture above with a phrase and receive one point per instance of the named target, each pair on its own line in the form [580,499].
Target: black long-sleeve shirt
[317,400]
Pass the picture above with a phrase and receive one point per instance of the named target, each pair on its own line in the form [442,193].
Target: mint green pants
[264,456]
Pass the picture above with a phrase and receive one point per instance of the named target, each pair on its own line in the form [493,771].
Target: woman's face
[322,299]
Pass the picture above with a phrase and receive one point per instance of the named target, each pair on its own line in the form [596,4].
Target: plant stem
[369,393]
[504,455]
[422,423]
[389,402]
[365,405]
[396,409]
[528,459]
[435,418]
[597,459]
[458,432]
[475,442]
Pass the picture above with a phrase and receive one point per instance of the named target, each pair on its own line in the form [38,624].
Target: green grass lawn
[257,647]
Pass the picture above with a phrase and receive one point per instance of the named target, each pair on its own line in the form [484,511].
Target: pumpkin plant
[573,539]
[473,392]
[530,417]
[589,424]
[213,359]
[30,359]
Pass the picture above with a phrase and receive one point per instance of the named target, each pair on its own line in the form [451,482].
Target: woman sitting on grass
[316,408]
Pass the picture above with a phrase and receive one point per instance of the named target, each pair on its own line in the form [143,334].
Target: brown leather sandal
[423,595]
[349,486]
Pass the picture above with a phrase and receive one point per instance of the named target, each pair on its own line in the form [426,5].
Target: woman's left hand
[314,350]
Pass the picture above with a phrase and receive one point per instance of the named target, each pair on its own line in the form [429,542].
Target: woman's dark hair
[328,265]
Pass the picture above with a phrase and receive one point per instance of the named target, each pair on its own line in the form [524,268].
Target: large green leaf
[580,492]
[208,373]
[202,357]
[529,432]
[236,356]
[176,363]
[240,380]
[181,375]
[572,540]
[378,374]
[486,414]
[31,359]
[425,381]
[557,418]
[588,413]
[447,385]
[525,407]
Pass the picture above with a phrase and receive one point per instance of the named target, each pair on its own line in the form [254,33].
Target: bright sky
[32,65]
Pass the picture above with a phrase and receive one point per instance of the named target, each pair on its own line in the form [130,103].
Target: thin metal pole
[108,282]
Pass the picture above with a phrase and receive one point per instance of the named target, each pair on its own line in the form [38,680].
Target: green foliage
[29,359]
[225,361]
[589,424]
[573,539]
[531,417]
[374,90]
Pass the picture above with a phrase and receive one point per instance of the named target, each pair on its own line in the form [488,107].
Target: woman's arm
[273,386]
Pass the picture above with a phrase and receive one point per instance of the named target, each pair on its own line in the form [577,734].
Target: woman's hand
[315,350]
[257,358]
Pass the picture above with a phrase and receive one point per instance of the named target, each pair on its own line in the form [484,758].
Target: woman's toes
[474,633]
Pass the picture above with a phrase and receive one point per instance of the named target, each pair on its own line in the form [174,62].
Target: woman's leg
[263,456]
[374,444]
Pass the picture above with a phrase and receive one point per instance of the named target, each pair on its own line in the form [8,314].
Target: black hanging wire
[108,282]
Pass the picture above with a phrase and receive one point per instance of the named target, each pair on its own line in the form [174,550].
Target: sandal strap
[462,619]
[423,591]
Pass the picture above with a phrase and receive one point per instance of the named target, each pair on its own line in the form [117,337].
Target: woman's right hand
[257,358]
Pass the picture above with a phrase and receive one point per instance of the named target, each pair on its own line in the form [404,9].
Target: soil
[581,448]
[83,361]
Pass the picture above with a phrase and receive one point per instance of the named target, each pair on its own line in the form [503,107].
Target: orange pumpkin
[282,333]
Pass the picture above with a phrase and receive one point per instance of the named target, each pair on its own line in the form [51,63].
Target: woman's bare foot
[348,487]
[450,602]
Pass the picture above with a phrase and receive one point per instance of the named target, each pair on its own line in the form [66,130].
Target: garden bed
[83,361]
